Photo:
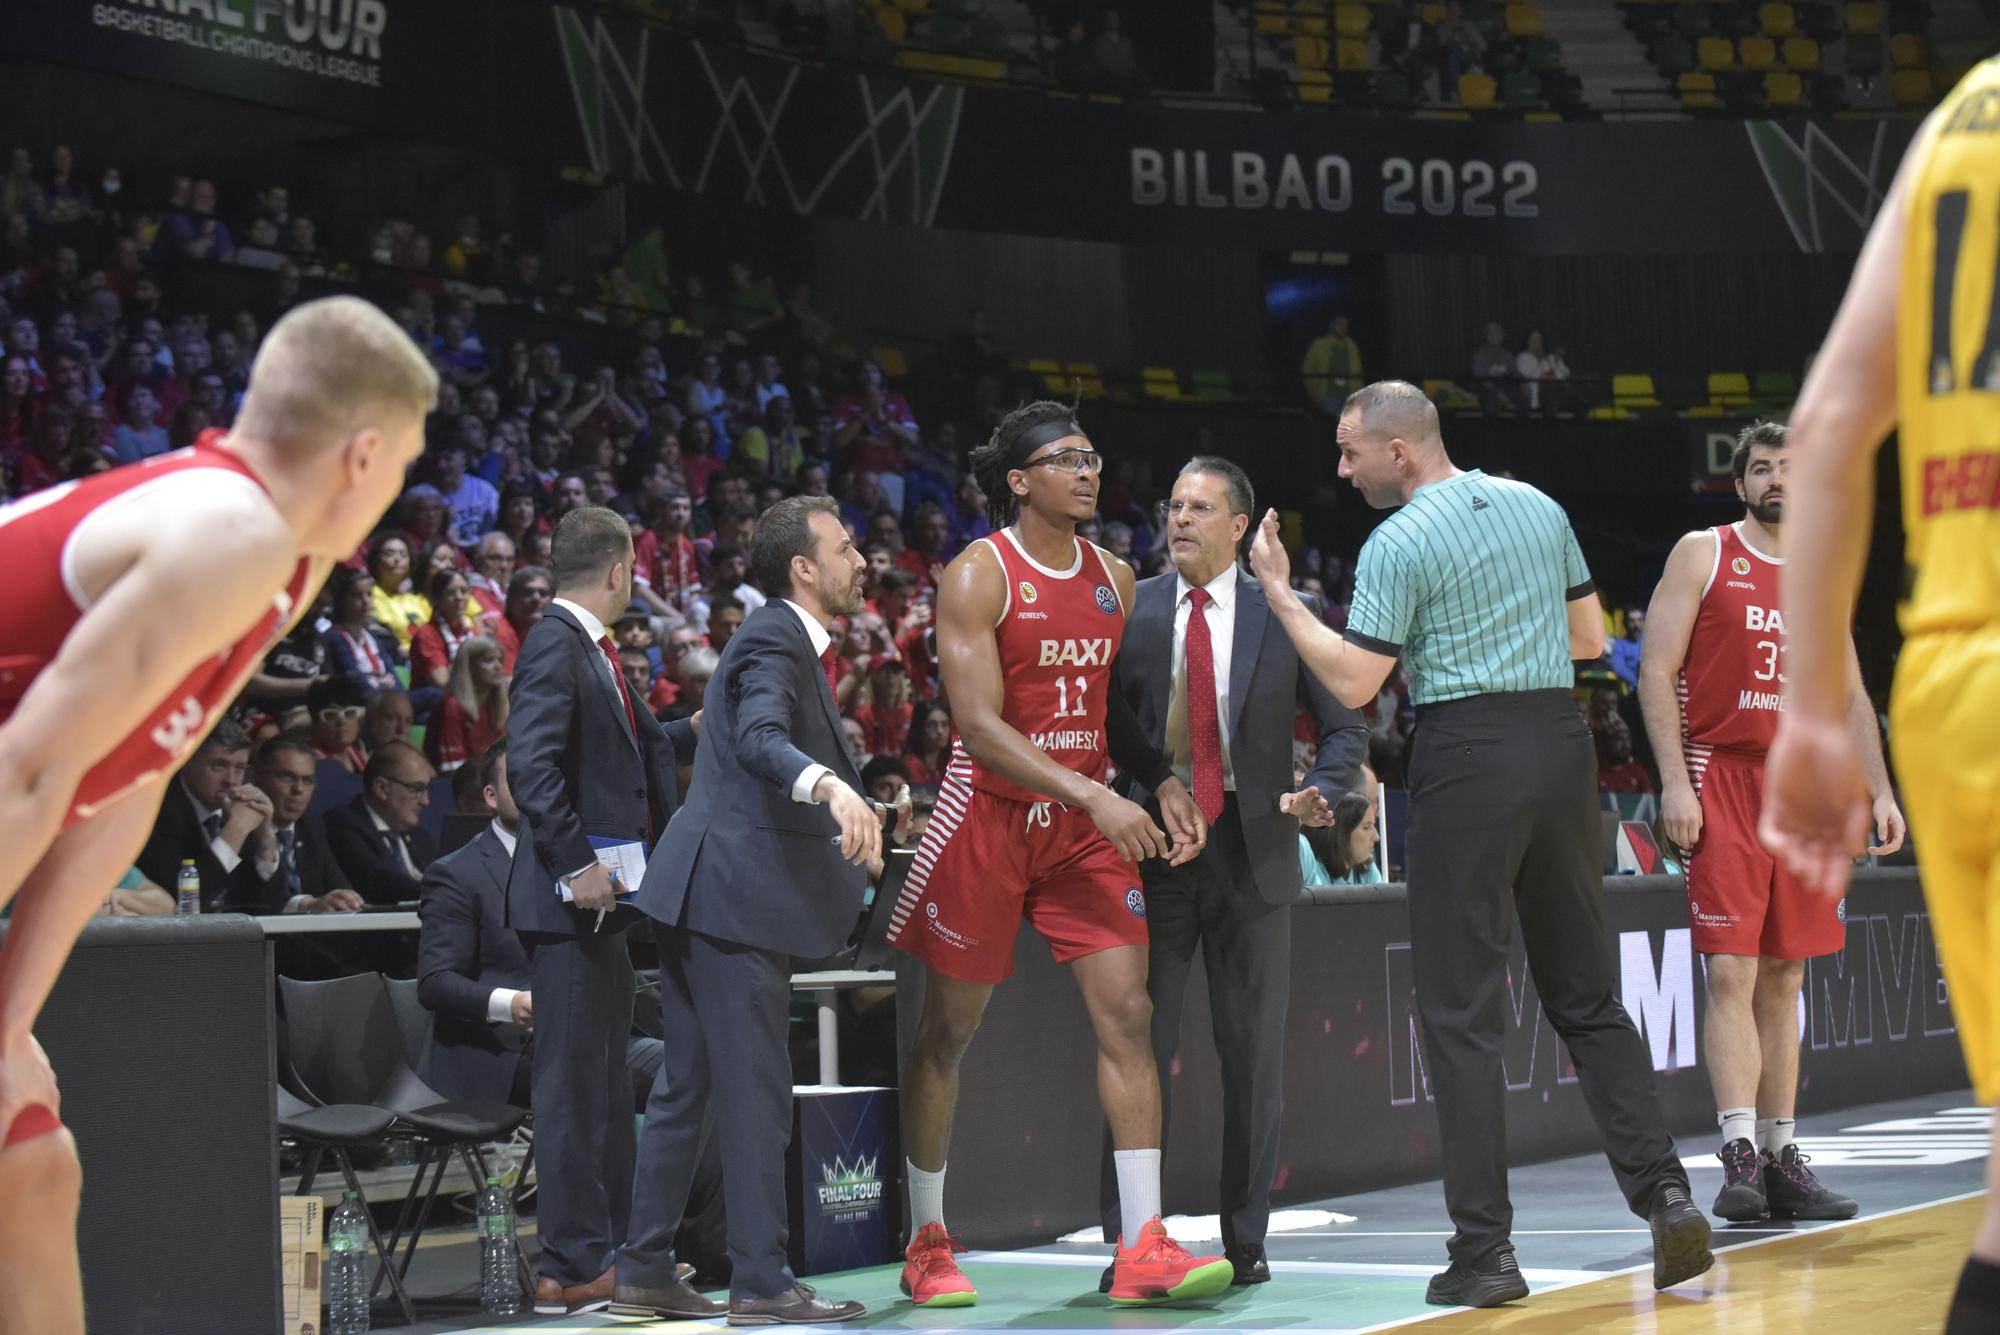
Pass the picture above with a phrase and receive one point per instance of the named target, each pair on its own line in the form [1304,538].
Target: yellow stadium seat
[1604,412]
[1351,53]
[1087,379]
[1312,23]
[1314,92]
[891,360]
[1777,20]
[1310,52]
[1043,366]
[1906,50]
[1866,17]
[894,23]
[1433,14]
[1912,87]
[1524,21]
[1758,53]
[1476,90]
[1728,387]
[1696,83]
[1801,53]
[1716,53]
[1634,391]
[1272,21]
[1052,375]
[1350,20]
[1782,88]
[1161,383]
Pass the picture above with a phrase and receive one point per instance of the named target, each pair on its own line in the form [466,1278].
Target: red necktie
[624,687]
[829,661]
[1204,728]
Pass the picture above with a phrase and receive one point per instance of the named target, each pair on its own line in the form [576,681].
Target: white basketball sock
[1138,1190]
[926,1197]
[1738,1124]
[1774,1133]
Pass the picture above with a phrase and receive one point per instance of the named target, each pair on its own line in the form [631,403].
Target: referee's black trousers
[1504,824]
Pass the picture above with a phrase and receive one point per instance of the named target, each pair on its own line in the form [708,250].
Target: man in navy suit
[302,875]
[1216,700]
[586,762]
[472,973]
[767,861]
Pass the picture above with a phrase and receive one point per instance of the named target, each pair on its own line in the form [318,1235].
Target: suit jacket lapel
[1153,626]
[494,858]
[823,692]
[1252,611]
[594,660]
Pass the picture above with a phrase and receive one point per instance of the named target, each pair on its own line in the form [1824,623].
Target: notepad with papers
[627,860]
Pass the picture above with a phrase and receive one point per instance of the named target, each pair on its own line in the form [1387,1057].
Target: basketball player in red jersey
[133,608]
[1710,678]
[1029,620]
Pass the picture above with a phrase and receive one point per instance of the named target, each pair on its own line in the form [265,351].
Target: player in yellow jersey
[1932,372]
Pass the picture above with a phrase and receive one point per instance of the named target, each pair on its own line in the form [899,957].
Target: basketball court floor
[1916,1166]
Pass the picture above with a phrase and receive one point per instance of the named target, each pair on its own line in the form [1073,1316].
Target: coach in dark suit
[585,762]
[376,837]
[299,874]
[472,972]
[1216,700]
[764,863]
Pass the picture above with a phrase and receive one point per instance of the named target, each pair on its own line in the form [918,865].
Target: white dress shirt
[230,858]
[1221,616]
[402,848]
[500,1005]
[809,777]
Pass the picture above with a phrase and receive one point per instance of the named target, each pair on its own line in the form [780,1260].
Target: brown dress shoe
[673,1301]
[799,1307]
[552,1299]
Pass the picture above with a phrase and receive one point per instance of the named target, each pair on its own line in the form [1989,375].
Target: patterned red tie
[624,687]
[1204,728]
[829,663]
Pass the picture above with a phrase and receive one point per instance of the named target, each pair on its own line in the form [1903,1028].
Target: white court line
[1447,1233]
[1380,1269]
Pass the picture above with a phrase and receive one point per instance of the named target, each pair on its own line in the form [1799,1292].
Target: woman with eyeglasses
[336,705]
[396,604]
[356,647]
[473,713]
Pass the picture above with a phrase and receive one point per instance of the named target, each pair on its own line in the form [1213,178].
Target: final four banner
[577,87]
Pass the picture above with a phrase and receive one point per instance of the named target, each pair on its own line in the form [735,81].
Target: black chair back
[412,1018]
[346,1044]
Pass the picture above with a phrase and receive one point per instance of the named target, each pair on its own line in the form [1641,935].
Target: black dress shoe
[673,1301]
[1680,1236]
[798,1307]
[1251,1267]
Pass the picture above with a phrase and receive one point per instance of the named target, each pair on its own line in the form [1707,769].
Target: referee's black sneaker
[1796,1194]
[1496,1279]
[1680,1236]
[1742,1198]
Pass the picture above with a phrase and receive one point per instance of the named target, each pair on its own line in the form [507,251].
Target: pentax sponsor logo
[331,39]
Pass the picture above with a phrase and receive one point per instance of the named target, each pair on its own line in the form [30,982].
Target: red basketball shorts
[1741,901]
[986,862]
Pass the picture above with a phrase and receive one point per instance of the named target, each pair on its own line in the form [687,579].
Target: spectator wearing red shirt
[930,744]
[336,705]
[873,426]
[473,713]
[528,593]
[492,568]
[924,557]
[18,406]
[437,642]
[666,573]
[885,709]
[699,463]
[1617,771]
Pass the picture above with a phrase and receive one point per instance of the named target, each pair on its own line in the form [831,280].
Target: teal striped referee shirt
[1469,582]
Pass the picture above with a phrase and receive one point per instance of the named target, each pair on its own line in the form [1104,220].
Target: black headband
[1035,437]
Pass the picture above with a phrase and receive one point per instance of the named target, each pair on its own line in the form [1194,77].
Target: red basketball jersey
[1057,637]
[1732,677]
[40,604]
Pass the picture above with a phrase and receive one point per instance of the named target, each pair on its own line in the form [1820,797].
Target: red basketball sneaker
[1156,1269]
[930,1277]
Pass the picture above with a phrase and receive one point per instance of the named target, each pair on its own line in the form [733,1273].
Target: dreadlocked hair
[989,462]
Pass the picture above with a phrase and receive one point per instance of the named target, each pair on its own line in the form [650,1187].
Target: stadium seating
[1777,55]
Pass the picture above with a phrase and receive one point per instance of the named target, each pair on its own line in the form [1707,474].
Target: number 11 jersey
[1056,638]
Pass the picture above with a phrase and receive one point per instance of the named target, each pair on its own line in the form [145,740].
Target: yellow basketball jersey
[1948,363]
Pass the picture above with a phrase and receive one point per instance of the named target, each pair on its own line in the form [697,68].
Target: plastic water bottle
[345,1280]
[187,889]
[499,1279]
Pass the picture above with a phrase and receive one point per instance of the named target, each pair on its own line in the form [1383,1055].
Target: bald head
[1396,410]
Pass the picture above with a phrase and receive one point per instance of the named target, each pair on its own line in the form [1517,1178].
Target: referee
[1478,582]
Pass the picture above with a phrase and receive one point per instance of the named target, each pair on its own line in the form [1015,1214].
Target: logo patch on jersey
[1479,502]
[1135,900]
[1741,565]
[1075,653]
[1028,594]
[1840,909]
[1107,601]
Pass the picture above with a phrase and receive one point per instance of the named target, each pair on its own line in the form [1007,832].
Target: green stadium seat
[1392,91]
[1731,20]
[1521,89]
[1776,391]
[1865,54]
[1692,22]
[1819,22]
[1543,54]
[1213,385]
[1672,55]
